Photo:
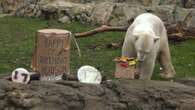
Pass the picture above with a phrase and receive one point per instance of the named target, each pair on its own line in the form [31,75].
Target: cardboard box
[125,69]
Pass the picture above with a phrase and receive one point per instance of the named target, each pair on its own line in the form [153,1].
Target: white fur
[146,39]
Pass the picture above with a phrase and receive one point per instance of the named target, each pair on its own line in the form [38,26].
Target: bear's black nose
[140,61]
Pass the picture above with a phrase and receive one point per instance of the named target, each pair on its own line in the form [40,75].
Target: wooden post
[52,53]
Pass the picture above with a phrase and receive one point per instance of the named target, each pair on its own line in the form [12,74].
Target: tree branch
[176,32]
[103,28]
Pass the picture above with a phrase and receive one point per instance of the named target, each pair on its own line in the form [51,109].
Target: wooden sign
[52,53]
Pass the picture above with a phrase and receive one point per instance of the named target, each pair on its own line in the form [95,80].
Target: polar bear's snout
[143,46]
[141,56]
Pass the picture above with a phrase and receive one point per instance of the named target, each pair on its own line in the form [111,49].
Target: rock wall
[111,12]
[29,8]
[111,95]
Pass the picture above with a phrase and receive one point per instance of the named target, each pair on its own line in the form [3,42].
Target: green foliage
[17,37]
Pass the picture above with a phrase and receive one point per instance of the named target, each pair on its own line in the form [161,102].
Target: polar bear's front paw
[167,75]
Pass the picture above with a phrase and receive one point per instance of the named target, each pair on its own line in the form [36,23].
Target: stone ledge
[111,95]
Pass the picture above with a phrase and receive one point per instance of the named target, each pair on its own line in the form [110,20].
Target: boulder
[185,16]
[102,13]
[64,19]
[28,10]
[134,2]
[123,13]
[98,12]
[165,12]
[21,7]
[9,6]
[114,12]
[182,14]
[190,20]
[179,3]
[58,9]
[110,95]
[1,10]
[188,106]
[189,3]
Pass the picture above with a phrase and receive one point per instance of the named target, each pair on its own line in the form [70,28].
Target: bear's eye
[155,40]
[147,51]
[144,51]
[136,38]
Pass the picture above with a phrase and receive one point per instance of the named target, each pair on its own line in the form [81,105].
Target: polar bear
[146,39]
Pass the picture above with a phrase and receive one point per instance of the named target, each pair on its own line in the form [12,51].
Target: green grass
[17,37]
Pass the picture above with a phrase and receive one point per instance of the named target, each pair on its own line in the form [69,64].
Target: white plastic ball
[89,74]
[20,75]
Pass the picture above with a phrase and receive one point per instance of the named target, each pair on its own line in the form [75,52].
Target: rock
[9,6]
[59,9]
[98,12]
[173,14]
[21,7]
[115,14]
[190,20]
[189,3]
[123,18]
[111,95]
[185,16]
[165,12]
[1,9]
[182,14]
[32,10]
[187,81]
[102,13]
[83,13]
[112,12]
[64,19]
[188,106]
[135,2]
[171,2]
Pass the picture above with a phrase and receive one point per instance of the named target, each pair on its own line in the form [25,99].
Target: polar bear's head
[144,43]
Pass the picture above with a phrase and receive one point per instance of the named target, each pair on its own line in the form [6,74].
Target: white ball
[89,74]
[20,75]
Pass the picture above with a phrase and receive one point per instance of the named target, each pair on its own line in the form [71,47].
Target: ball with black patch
[20,75]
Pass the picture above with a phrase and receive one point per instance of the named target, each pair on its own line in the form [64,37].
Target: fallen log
[189,31]
[103,28]
[176,32]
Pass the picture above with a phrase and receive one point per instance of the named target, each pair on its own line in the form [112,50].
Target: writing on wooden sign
[52,53]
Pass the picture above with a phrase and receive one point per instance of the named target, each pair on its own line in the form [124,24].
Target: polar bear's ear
[156,38]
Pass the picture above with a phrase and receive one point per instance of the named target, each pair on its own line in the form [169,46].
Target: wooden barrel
[52,53]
